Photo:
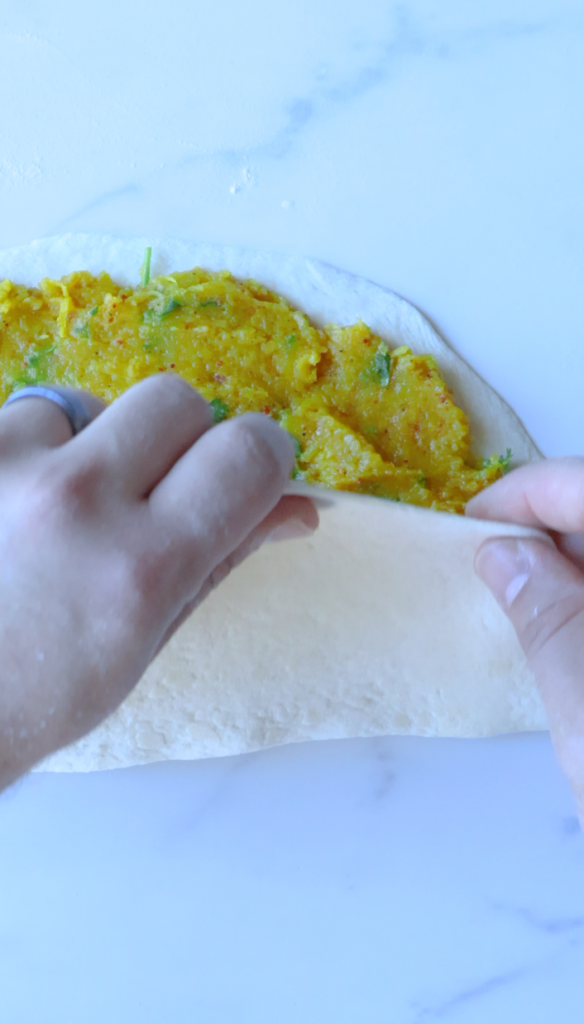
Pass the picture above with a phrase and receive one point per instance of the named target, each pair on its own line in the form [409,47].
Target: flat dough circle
[375,625]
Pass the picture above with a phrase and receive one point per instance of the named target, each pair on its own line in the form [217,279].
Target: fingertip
[256,433]
[548,494]
[280,440]
[225,486]
[487,504]
[474,507]
[292,529]
[503,564]
[293,517]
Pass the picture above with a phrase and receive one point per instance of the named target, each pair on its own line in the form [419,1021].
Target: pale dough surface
[375,625]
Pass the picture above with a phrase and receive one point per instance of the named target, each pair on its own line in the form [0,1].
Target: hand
[541,588]
[108,541]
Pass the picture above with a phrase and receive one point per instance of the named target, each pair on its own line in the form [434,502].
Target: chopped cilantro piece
[219,409]
[35,370]
[296,473]
[423,482]
[505,460]
[156,310]
[291,340]
[33,360]
[501,462]
[382,364]
[379,369]
[145,268]
[209,302]
[93,311]
[23,381]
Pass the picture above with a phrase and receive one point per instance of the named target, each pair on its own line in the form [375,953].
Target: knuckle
[173,389]
[63,492]
[169,393]
[248,435]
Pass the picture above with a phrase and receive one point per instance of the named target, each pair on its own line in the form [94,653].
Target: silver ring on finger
[69,403]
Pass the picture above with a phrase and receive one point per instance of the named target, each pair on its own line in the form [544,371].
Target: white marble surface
[436,147]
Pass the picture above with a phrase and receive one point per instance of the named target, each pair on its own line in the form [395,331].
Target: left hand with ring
[110,538]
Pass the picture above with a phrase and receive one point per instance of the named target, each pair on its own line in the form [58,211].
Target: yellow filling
[366,418]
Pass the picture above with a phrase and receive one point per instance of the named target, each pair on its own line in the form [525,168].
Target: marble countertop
[435,147]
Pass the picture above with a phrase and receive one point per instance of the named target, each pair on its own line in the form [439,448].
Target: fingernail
[505,566]
[290,530]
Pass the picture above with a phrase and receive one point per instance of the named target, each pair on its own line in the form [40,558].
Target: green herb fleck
[169,306]
[34,359]
[291,340]
[423,481]
[296,474]
[505,460]
[145,268]
[93,311]
[23,381]
[379,369]
[501,462]
[382,364]
[36,369]
[219,409]
[209,302]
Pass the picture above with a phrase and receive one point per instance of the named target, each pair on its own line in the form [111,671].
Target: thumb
[543,595]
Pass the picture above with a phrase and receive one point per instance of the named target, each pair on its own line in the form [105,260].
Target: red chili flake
[161,369]
[119,341]
[443,398]
[366,341]
[220,378]
[266,409]
[172,366]
[219,362]
[188,325]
